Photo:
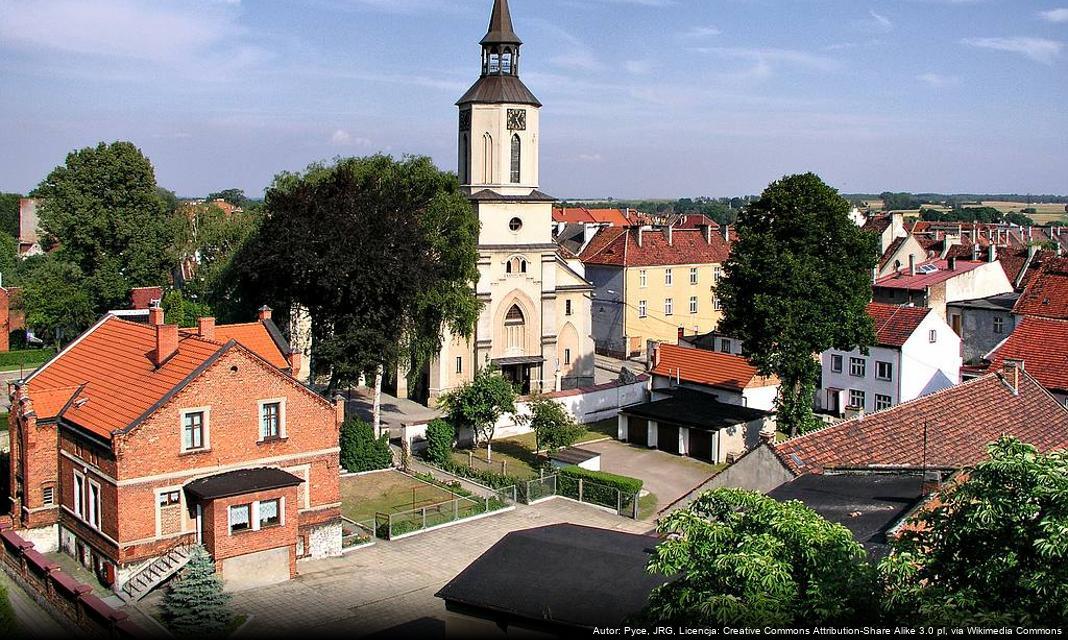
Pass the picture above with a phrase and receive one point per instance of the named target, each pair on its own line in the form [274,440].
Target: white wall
[981,282]
[869,384]
[928,367]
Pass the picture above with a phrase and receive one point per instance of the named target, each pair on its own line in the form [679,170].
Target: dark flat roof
[695,410]
[1001,302]
[574,455]
[489,195]
[868,504]
[563,575]
[242,481]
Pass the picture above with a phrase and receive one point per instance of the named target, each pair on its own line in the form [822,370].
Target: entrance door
[701,445]
[519,376]
[638,431]
[667,438]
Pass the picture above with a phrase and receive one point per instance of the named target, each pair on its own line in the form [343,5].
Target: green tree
[9,260]
[741,558]
[56,303]
[181,311]
[207,241]
[994,551]
[479,404]
[360,450]
[440,437]
[235,197]
[554,426]
[382,253]
[103,209]
[9,213]
[797,283]
[195,605]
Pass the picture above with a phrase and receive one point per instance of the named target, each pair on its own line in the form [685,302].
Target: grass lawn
[3,420]
[8,624]
[647,506]
[389,491]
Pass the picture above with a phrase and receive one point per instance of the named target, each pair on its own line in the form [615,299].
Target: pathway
[34,621]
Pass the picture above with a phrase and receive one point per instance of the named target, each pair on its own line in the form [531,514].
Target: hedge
[27,357]
[629,486]
[600,488]
[360,450]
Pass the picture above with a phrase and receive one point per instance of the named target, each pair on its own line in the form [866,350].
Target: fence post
[424,517]
[619,502]
[455,508]
[634,508]
[580,489]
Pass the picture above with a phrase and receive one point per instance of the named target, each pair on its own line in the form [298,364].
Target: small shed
[574,456]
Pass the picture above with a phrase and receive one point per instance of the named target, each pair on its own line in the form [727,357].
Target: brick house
[138,440]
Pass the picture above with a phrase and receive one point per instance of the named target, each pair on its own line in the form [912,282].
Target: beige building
[535,322]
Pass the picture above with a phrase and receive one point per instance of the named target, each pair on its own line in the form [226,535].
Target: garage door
[638,431]
[667,438]
[701,445]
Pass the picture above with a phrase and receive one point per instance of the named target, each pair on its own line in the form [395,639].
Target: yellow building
[654,284]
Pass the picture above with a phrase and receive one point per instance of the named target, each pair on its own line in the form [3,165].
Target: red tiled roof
[959,421]
[48,403]
[877,224]
[1046,295]
[895,324]
[920,281]
[709,368]
[1042,344]
[113,362]
[255,337]
[619,247]
[579,215]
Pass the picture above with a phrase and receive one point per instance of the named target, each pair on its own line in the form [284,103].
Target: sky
[643,98]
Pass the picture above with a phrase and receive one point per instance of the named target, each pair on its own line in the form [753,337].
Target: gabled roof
[920,281]
[256,337]
[614,246]
[1042,344]
[955,424]
[582,215]
[895,324]
[711,368]
[1046,295]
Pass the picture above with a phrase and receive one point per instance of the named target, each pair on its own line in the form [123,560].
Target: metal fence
[354,534]
[582,490]
[539,489]
[391,525]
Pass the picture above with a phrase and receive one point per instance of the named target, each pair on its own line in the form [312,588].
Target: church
[535,323]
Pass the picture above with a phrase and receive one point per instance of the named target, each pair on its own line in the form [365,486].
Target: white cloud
[881,22]
[1037,49]
[1055,15]
[938,80]
[638,67]
[703,32]
[342,138]
[766,59]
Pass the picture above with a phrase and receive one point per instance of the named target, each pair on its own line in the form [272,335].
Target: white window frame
[883,401]
[999,324]
[669,277]
[669,307]
[643,309]
[725,345]
[717,274]
[95,505]
[158,493]
[863,398]
[281,513]
[693,275]
[230,517]
[79,494]
[932,336]
[716,304]
[281,402]
[858,364]
[837,363]
[206,444]
[889,366]
[459,364]
[643,278]
[693,305]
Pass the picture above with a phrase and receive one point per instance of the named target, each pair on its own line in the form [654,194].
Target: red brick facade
[141,470]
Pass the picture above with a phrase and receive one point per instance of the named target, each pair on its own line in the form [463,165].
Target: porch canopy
[511,362]
[695,410]
[240,482]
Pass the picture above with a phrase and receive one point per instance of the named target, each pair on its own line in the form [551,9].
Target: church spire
[500,26]
[500,47]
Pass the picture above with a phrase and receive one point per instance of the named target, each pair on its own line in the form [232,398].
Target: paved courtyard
[391,585]
[667,476]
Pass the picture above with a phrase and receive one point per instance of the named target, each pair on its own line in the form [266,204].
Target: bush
[360,451]
[440,436]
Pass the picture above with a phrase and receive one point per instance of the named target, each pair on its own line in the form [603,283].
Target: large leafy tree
[207,241]
[104,212]
[479,404]
[741,558]
[382,253]
[235,197]
[797,283]
[9,213]
[57,306]
[994,551]
[553,425]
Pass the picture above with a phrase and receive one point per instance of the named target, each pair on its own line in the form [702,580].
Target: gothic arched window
[515,265]
[516,157]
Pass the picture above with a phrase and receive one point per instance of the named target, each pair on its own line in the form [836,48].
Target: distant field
[1046,213]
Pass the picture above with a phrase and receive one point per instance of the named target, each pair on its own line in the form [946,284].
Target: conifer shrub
[195,605]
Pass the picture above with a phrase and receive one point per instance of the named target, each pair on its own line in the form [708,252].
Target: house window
[717,274]
[669,307]
[882,402]
[516,157]
[642,309]
[515,265]
[693,304]
[724,345]
[667,277]
[884,370]
[270,513]
[271,426]
[932,336]
[858,367]
[459,364]
[999,325]
[643,278]
[567,356]
[94,504]
[716,304]
[170,498]
[856,399]
[48,495]
[693,275]
[79,495]
[240,517]
[515,224]
[836,364]
[193,431]
[567,308]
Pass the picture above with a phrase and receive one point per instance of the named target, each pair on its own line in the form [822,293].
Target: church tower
[535,320]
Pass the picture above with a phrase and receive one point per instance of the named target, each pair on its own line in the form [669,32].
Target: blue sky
[643,98]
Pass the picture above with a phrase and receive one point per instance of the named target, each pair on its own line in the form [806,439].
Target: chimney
[166,343]
[706,229]
[1010,371]
[912,264]
[726,233]
[975,253]
[155,314]
[932,482]
[339,409]
[264,313]
[639,236]
[206,328]
[668,235]
[991,253]
[952,263]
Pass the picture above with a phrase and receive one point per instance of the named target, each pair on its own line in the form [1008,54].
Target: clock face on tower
[517,120]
